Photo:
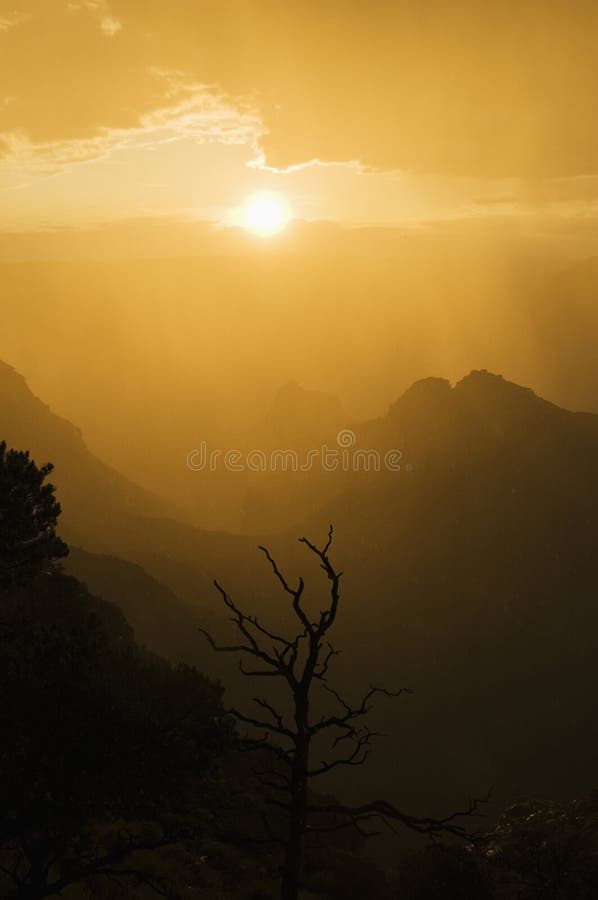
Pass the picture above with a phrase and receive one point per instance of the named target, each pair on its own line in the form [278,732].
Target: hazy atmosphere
[298,328]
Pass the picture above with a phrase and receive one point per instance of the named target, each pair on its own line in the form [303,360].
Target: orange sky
[361,113]
[444,154]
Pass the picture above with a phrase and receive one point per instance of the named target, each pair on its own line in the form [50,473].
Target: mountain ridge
[482,552]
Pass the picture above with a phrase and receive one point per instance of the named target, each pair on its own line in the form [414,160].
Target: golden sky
[439,159]
[379,112]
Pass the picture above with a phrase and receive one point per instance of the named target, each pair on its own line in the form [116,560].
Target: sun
[265,214]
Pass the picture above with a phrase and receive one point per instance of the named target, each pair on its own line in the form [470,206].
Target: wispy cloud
[204,113]
[196,111]
[11,20]
[108,23]
[110,26]
[260,162]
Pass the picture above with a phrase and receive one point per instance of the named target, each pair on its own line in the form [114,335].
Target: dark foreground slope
[160,620]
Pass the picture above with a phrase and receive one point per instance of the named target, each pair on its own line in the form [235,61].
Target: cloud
[108,23]
[260,162]
[204,113]
[461,88]
[73,98]
[11,20]
[110,26]
[201,114]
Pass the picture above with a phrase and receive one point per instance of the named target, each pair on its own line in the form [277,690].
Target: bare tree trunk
[291,871]
[294,852]
[302,662]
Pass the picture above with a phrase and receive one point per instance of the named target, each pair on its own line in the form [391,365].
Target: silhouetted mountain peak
[13,386]
[480,390]
[91,492]
[425,401]
[7,371]
[423,392]
[289,389]
[491,385]
[297,414]
[27,420]
[481,412]
[507,404]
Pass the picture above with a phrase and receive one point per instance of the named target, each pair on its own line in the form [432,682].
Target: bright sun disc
[265,214]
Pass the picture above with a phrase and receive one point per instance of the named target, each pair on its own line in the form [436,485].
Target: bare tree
[303,662]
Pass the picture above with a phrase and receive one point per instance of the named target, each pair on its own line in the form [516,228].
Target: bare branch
[321,675]
[388,814]
[348,823]
[328,616]
[240,620]
[277,717]
[348,734]
[353,713]
[261,673]
[258,723]
[295,594]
